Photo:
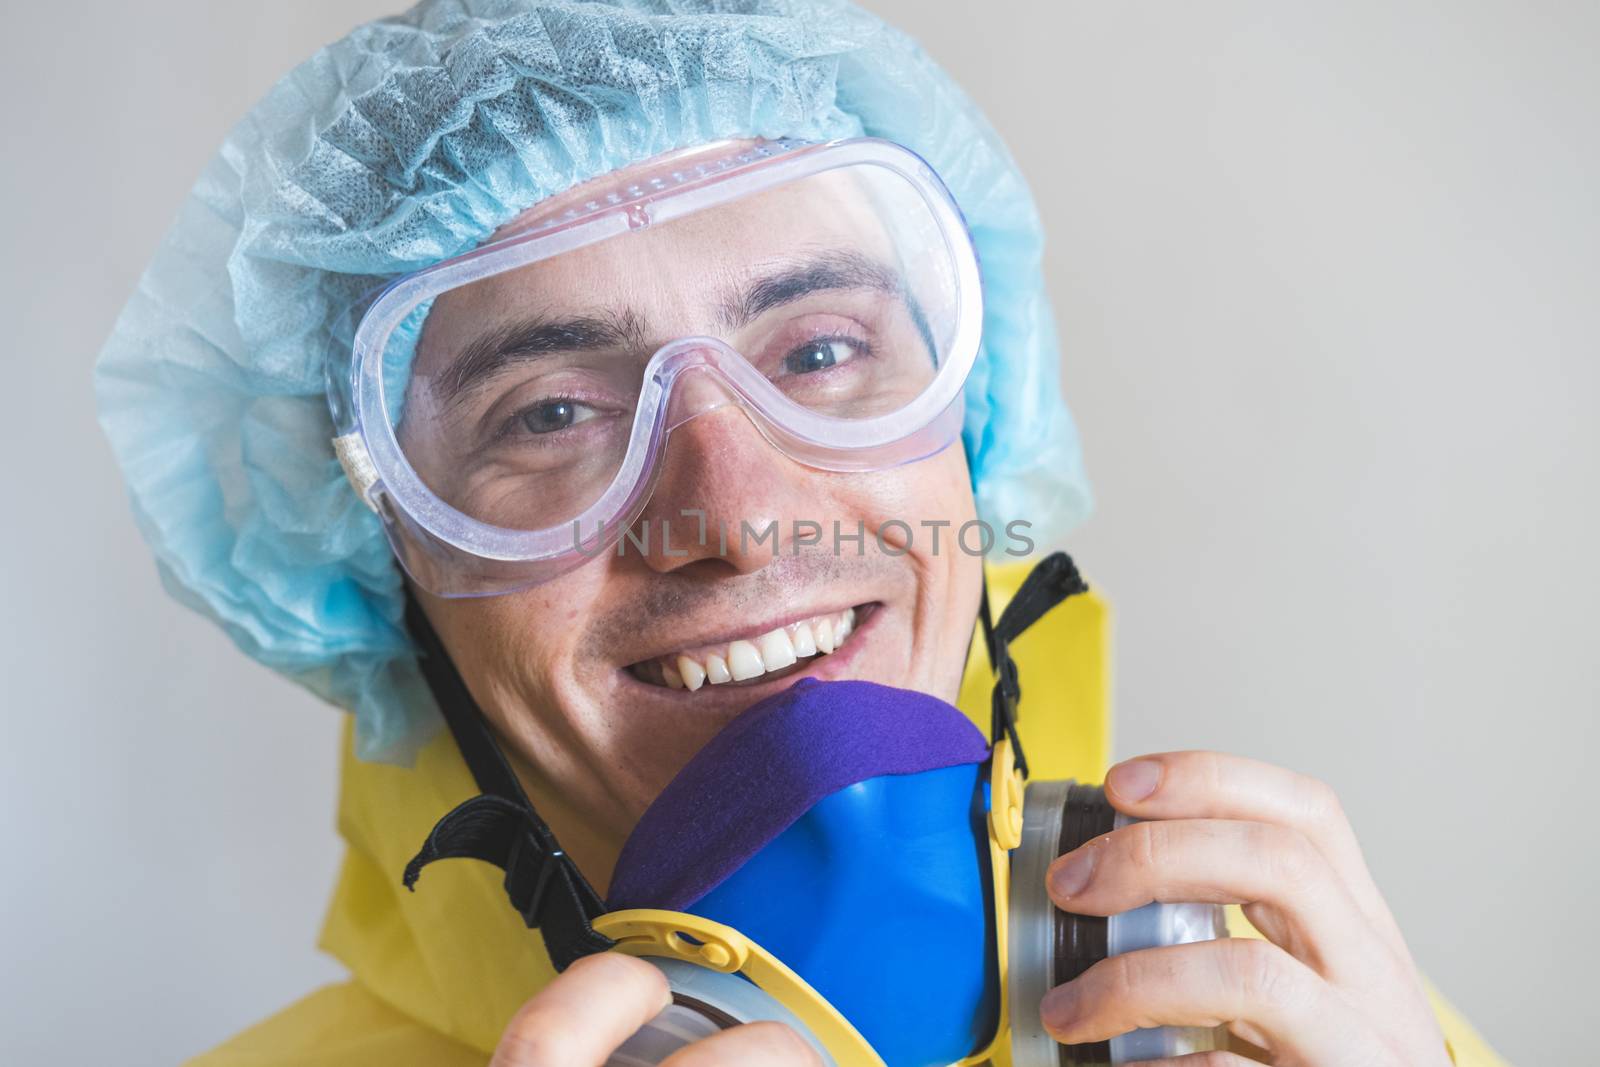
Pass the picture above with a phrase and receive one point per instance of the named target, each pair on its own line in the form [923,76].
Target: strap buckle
[1054,580]
[528,874]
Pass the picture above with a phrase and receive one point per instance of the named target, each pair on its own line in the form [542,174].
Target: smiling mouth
[756,658]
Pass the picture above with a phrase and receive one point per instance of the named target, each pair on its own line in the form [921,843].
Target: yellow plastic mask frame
[693,939]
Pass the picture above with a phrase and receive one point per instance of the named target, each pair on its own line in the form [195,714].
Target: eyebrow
[493,351]
[838,269]
[528,339]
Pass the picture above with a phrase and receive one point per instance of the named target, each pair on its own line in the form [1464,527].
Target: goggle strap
[356,461]
[501,826]
[1054,580]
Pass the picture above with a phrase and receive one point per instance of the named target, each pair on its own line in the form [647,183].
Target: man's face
[577,674]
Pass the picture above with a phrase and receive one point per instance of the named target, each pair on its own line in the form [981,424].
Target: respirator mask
[860,863]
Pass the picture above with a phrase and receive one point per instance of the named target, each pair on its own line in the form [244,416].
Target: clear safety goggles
[506,412]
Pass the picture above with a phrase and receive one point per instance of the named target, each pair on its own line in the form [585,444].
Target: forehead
[670,276]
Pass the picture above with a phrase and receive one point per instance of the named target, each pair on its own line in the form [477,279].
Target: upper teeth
[753,657]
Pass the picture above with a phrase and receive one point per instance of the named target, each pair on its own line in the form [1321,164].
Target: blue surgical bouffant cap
[412,140]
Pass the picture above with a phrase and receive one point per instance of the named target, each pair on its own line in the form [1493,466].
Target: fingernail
[1134,780]
[1071,872]
[1059,1008]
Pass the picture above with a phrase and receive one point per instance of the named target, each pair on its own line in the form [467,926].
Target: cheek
[934,489]
[939,491]
[949,580]
[516,646]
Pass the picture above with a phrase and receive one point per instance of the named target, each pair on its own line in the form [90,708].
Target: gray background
[1326,276]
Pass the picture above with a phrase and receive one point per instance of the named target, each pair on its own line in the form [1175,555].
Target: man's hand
[579,1019]
[1332,984]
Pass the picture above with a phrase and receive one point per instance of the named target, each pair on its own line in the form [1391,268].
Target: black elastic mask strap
[501,825]
[1054,580]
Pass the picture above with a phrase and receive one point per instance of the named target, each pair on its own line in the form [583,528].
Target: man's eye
[553,415]
[820,355]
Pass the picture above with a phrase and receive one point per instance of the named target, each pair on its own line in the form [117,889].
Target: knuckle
[1124,981]
[1120,983]
[1210,768]
[1149,846]
[1319,802]
[535,1044]
[1292,861]
[1260,973]
[529,1038]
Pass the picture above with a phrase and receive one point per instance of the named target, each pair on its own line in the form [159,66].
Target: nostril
[708,567]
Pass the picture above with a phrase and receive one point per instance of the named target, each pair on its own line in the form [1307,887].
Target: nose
[726,498]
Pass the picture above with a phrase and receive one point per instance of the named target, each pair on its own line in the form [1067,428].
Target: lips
[757,657]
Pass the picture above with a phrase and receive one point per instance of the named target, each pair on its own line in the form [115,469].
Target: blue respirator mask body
[841,826]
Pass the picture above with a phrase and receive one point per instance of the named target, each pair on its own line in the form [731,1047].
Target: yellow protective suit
[436,974]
